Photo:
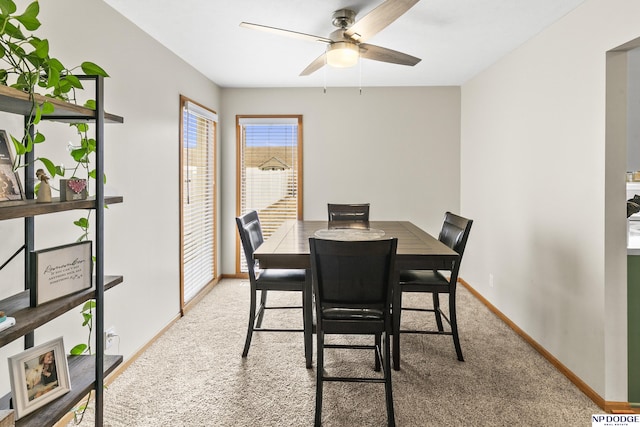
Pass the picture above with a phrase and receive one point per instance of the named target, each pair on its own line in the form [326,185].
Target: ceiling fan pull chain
[324,75]
[360,76]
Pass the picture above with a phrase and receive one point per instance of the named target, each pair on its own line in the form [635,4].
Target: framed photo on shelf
[59,271]
[10,185]
[38,376]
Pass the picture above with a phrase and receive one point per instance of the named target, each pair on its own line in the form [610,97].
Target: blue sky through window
[271,135]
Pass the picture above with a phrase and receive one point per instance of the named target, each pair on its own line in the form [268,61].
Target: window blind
[269,170]
[198,198]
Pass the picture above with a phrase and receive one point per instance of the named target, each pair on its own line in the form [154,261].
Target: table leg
[396,310]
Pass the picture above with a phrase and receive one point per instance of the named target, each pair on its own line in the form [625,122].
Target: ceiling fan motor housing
[343,18]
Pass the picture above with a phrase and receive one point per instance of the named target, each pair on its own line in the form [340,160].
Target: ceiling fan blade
[383,54]
[288,33]
[378,19]
[315,65]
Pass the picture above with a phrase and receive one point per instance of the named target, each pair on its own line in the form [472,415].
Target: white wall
[533,178]
[396,148]
[633,124]
[142,234]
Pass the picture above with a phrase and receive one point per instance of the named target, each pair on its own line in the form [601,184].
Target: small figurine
[44,191]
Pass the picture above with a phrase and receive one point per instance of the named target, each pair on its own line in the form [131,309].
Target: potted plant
[29,67]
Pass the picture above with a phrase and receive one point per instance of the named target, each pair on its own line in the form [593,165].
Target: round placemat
[349,234]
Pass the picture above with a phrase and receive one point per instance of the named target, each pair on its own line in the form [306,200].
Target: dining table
[288,247]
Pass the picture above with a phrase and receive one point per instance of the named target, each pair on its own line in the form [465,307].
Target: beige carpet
[194,376]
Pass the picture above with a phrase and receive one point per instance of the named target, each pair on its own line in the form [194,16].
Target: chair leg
[396,318]
[252,317]
[377,353]
[319,377]
[263,304]
[307,317]
[436,311]
[391,421]
[454,324]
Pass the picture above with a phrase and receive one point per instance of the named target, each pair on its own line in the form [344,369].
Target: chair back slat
[454,233]
[251,236]
[352,273]
[451,236]
[348,212]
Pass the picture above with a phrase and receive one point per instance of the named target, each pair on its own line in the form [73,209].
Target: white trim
[200,111]
[268,120]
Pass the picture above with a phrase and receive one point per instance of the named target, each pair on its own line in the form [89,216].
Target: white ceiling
[456,39]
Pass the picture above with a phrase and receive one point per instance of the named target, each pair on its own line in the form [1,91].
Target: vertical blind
[269,170]
[198,198]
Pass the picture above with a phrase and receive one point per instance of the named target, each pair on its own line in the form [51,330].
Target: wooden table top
[288,247]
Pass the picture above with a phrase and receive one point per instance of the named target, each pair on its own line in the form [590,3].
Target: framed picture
[10,185]
[38,376]
[60,271]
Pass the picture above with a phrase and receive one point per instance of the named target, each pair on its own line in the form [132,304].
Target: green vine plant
[28,65]
[81,154]
[87,320]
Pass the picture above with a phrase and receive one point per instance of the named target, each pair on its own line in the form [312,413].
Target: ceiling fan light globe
[342,54]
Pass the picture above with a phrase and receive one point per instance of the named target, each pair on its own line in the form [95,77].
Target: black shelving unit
[86,372]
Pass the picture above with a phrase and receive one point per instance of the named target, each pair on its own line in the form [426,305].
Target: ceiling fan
[346,44]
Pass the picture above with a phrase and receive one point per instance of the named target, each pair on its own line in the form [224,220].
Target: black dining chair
[454,233]
[348,212]
[265,280]
[353,283]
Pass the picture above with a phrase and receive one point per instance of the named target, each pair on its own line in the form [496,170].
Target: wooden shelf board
[29,318]
[15,101]
[25,208]
[82,370]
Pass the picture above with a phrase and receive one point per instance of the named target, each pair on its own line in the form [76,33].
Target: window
[198,195]
[269,171]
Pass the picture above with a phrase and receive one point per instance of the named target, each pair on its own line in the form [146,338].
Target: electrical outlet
[109,337]
[491,280]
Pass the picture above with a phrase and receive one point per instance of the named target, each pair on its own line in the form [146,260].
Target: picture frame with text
[60,271]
